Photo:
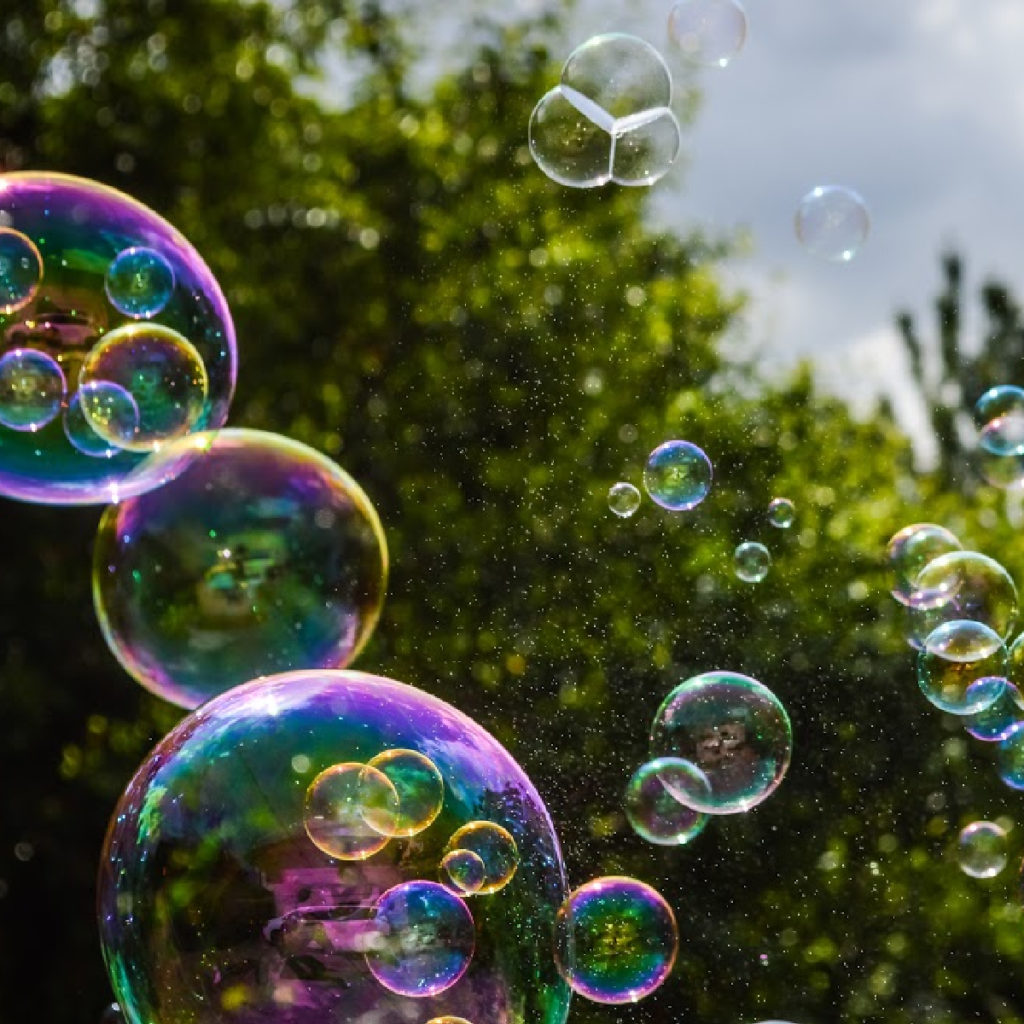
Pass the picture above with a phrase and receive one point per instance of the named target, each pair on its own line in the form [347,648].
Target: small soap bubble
[781,513]
[832,222]
[1010,757]
[616,940]
[420,791]
[139,282]
[161,371]
[342,803]
[79,431]
[110,413]
[995,722]
[21,270]
[981,849]
[997,459]
[708,32]
[735,730]
[678,475]
[962,667]
[623,499]
[997,403]
[910,550]
[423,940]
[32,389]
[463,872]
[654,811]
[752,561]
[495,846]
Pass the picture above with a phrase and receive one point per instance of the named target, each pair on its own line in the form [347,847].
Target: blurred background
[486,352]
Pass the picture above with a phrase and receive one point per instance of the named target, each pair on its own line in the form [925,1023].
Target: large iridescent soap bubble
[735,730]
[962,667]
[262,556]
[81,263]
[215,905]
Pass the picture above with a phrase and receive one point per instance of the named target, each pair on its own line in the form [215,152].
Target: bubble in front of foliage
[652,808]
[981,849]
[751,561]
[678,475]
[962,667]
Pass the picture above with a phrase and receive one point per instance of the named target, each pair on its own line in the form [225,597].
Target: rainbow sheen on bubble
[1010,757]
[448,1019]
[751,561]
[623,499]
[910,550]
[422,941]
[262,556]
[996,722]
[708,32]
[616,940]
[162,373]
[735,730]
[495,846]
[962,667]
[341,804]
[419,788]
[832,223]
[781,513]
[981,849]
[463,872]
[55,303]
[210,889]
[999,402]
[677,475]
[652,808]
[139,282]
[32,389]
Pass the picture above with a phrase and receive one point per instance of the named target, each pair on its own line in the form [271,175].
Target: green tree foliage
[487,352]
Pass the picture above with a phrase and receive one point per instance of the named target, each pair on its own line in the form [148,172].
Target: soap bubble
[139,282]
[962,667]
[997,459]
[609,116]
[495,846]
[1010,757]
[781,513]
[21,269]
[735,730]
[262,556]
[420,791]
[623,499]
[678,475]
[463,872]
[1003,436]
[654,811]
[995,722]
[981,849]
[751,561]
[708,32]
[422,939]
[77,229]
[1004,400]
[210,889]
[832,222]
[448,1019]
[110,404]
[162,373]
[341,804]
[910,550]
[32,389]
[616,940]
[963,585]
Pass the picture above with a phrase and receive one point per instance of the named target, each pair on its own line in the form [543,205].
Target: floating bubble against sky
[21,270]
[341,803]
[422,940]
[751,561]
[677,475]
[62,237]
[32,389]
[139,282]
[910,550]
[160,371]
[495,846]
[616,940]
[623,499]
[963,585]
[209,884]
[708,32]
[962,667]
[735,730]
[609,117]
[262,556]
[463,872]
[781,513]
[653,809]
[420,791]
[832,222]
[997,720]
[981,849]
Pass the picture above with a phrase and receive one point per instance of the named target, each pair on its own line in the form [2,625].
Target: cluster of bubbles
[999,418]
[752,559]
[962,615]
[677,477]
